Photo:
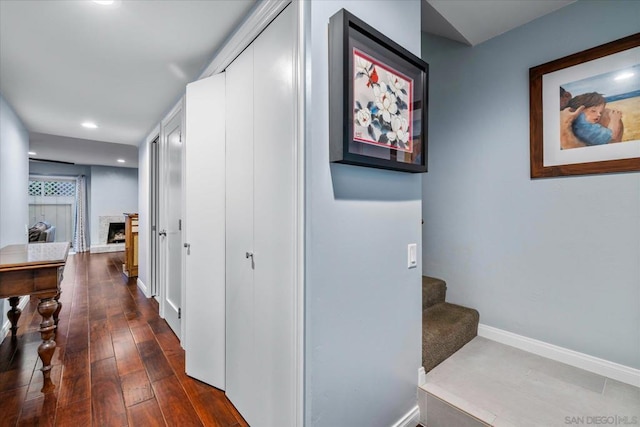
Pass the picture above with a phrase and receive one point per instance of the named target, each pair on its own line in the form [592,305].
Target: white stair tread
[499,385]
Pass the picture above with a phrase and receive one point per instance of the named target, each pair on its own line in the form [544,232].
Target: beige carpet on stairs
[446,327]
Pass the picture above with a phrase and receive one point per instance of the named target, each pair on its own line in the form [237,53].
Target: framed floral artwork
[585,111]
[377,99]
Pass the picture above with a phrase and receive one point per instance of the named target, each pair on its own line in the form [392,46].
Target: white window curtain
[80,235]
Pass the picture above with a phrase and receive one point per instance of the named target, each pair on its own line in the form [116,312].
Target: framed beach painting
[377,99]
[585,112]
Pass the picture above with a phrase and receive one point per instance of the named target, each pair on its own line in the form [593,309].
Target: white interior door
[172,223]
[261,330]
[204,228]
[239,242]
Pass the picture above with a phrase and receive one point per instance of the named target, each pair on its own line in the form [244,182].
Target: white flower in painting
[362,65]
[363,117]
[396,84]
[399,130]
[385,101]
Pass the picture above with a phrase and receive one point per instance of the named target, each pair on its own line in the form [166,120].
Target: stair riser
[434,291]
[435,412]
[446,329]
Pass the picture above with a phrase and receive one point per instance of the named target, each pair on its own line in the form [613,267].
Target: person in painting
[596,124]
[567,138]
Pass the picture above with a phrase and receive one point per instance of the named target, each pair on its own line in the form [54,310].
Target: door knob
[162,233]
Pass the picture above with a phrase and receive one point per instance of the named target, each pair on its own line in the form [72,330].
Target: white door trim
[301,52]
[178,109]
[151,288]
[259,18]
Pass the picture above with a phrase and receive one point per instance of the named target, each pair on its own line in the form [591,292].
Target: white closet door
[204,229]
[239,238]
[261,221]
[274,210]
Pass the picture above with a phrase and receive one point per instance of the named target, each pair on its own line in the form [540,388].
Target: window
[53,200]
[47,188]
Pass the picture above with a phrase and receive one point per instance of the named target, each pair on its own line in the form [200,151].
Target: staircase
[445,327]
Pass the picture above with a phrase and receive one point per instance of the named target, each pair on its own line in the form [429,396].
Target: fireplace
[115,233]
[110,234]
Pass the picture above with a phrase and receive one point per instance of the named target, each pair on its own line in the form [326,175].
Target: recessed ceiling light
[90,125]
[111,4]
[120,160]
[624,76]
[32,153]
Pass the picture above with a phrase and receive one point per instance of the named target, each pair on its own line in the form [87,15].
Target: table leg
[14,315]
[57,312]
[46,308]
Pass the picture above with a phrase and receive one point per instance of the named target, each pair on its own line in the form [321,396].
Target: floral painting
[382,104]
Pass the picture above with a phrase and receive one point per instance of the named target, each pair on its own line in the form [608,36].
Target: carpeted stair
[445,327]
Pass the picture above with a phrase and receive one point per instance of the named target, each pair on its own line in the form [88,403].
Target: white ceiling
[474,21]
[123,66]
[120,66]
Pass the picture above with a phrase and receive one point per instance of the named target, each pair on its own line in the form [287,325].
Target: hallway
[117,363]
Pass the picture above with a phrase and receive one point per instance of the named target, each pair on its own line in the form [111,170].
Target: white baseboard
[593,364]
[6,327]
[112,247]
[410,419]
[422,376]
[143,288]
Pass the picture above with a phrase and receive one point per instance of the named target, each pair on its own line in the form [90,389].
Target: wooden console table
[130,266]
[35,269]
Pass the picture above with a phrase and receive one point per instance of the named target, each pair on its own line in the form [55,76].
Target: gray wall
[363,306]
[14,181]
[557,260]
[14,176]
[113,192]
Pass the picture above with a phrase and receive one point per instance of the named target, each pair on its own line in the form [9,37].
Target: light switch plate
[412,255]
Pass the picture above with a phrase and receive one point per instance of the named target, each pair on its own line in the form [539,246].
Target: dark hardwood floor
[117,363]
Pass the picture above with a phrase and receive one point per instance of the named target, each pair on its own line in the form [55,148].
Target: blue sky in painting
[607,84]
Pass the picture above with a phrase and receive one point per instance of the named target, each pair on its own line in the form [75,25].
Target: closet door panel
[240,350]
[204,229]
[275,219]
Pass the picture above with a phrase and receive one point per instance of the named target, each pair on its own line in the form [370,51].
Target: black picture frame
[394,86]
